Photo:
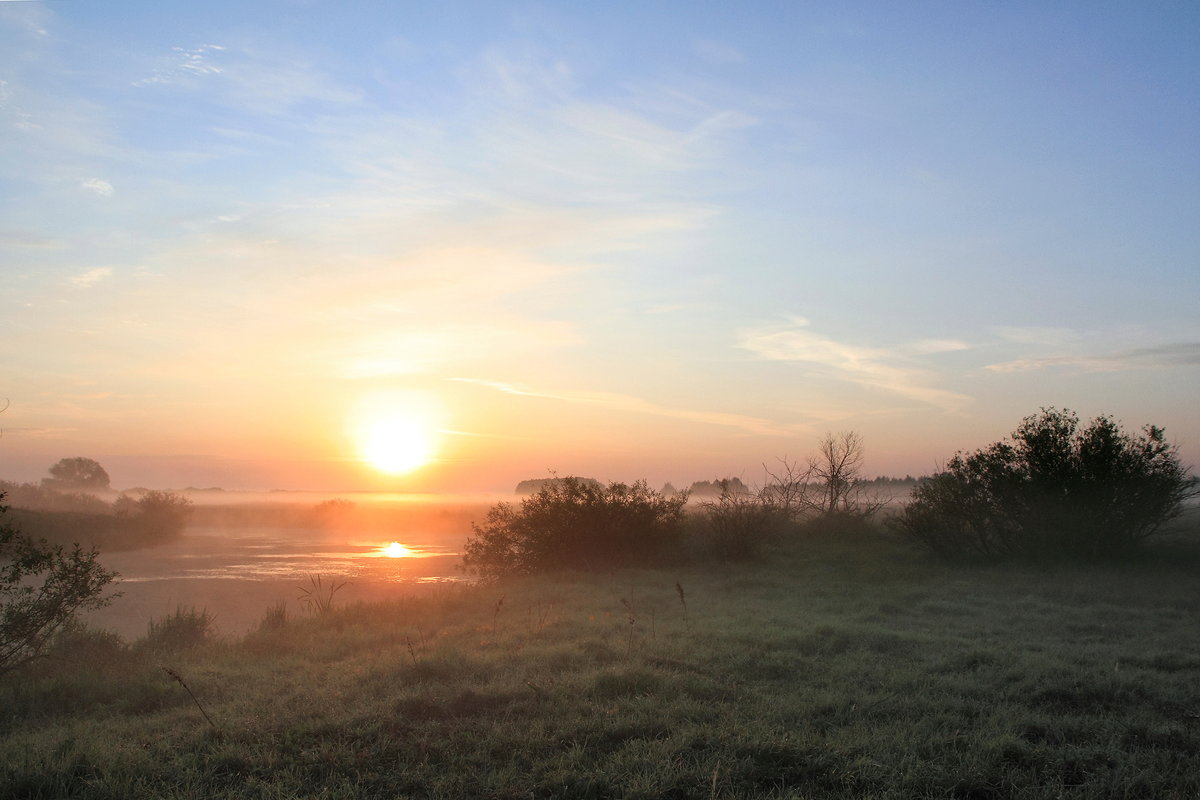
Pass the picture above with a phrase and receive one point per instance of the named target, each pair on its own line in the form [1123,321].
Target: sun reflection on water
[395,550]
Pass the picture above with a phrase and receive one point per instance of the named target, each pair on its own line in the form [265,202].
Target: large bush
[1054,490]
[41,589]
[572,523]
[155,517]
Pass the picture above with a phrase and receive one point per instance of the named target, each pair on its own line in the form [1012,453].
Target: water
[237,573]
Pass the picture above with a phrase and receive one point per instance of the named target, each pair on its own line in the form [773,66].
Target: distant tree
[1053,490]
[41,590]
[573,523]
[718,487]
[77,473]
[534,485]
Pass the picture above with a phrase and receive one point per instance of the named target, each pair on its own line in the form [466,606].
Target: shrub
[33,497]
[162,515]
[41,589]
[737,525]
[184,629]
[97,648]
[1054,490]
[572,523]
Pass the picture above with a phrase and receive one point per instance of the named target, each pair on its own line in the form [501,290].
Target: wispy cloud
[90,278]
[184,62]
[263,79]
[876,367]
[98,186]
[1040,335]
[422,348]
[32,241]
[1166,355]
[717,52]
[636,405]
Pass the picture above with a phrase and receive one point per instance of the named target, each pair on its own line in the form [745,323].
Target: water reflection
[395,550]
[271,553]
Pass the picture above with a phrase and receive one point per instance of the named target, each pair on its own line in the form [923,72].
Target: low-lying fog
[242,553]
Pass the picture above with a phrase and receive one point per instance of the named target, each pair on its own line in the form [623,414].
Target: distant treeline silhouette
[713,488]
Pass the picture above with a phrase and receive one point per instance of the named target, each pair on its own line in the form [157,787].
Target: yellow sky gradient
[626,242]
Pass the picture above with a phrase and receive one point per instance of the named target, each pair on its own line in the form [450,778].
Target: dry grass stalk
[682,602]
[179,679]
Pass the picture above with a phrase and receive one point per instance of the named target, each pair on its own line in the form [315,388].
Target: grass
[848,667]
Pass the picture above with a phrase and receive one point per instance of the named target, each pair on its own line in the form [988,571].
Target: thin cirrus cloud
[258,79]
[874,367]
[91,277]
[636,405]
[1181,354]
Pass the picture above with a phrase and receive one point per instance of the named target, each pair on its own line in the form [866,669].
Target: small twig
[179,679]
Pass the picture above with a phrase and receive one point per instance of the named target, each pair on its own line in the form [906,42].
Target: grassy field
[842,667]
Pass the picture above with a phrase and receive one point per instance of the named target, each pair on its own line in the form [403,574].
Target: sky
[660,240]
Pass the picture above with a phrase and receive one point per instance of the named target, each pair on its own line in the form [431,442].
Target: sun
[396,446]
[395,550]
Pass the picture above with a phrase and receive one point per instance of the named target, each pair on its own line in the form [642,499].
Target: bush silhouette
[573,523]
[1055,490]
[41,588]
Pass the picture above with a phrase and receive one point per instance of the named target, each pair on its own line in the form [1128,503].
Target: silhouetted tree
[831,484]
[41,589]
[837,470]
[77,473]
[1053,490]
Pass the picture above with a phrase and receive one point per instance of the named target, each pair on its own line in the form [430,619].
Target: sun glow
[395,550]
[397,445]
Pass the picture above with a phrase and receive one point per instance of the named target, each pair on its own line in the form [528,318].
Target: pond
[237,573]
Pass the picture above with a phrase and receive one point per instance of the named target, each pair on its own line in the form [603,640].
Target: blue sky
[662,240]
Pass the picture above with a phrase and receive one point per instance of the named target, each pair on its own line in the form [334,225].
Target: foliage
[737,525]
[77,473]
[41,497]
[532,485]
[1054,490]
[335,513]
[161,515]
[716,488]
[318,595]
[183,629]
[41,589]
[573,523]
